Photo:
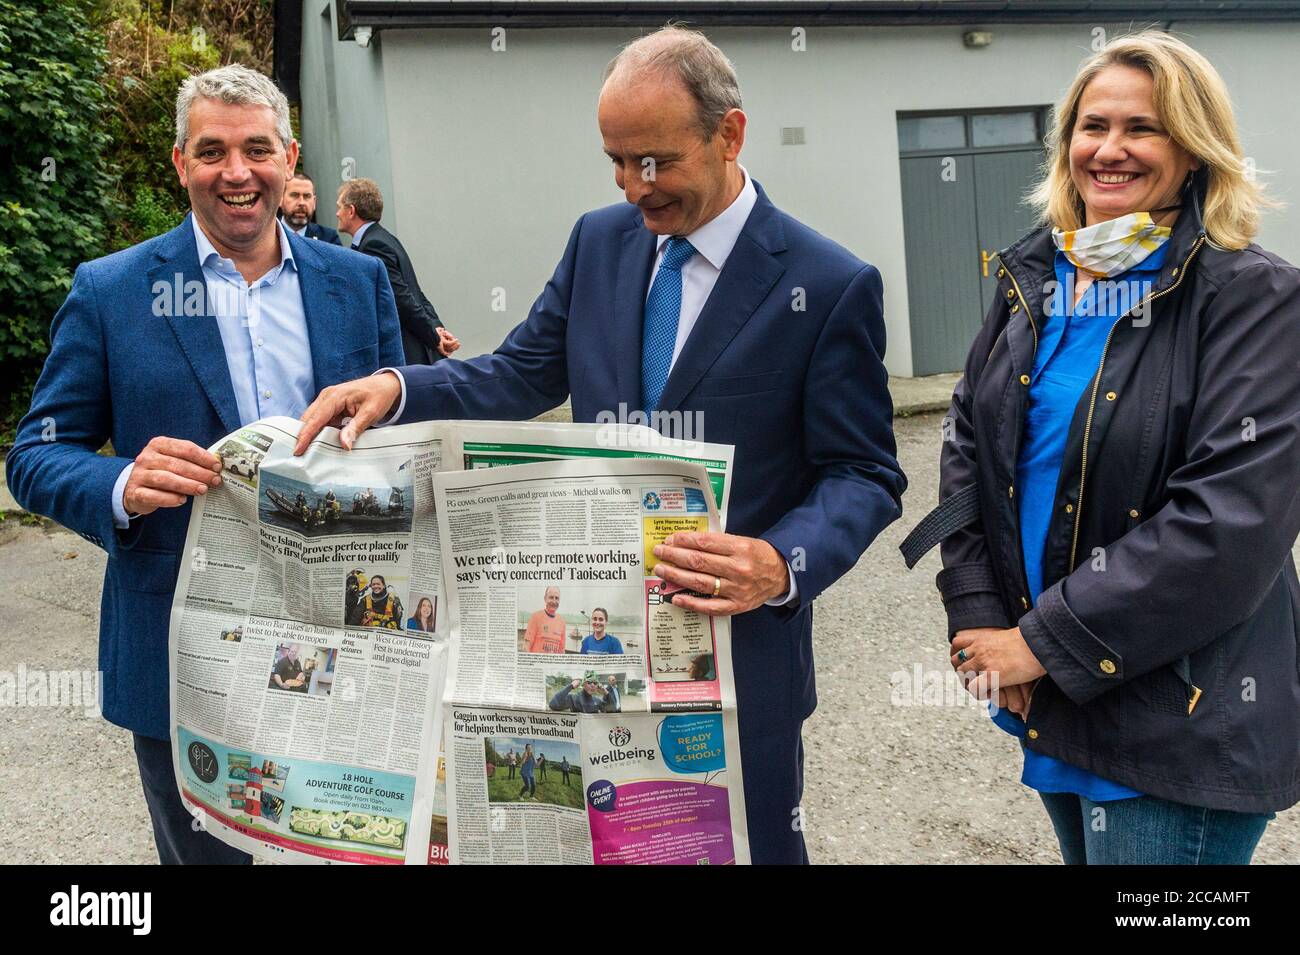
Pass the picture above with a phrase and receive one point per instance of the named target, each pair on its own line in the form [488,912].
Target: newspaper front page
[588,719]
[312,627]
[308,646]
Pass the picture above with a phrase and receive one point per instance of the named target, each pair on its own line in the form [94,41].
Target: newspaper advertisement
[587,718]
[308,646]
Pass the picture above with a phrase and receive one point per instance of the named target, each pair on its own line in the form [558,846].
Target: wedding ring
[717,586]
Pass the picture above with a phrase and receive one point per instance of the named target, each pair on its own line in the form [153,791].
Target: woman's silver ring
[961,656]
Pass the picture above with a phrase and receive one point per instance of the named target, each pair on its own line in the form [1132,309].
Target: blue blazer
[323,233]
[116,371]
[784,362]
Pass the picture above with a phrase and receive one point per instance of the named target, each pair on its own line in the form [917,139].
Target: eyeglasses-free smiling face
[662,162]
[235,169]
[1122,159]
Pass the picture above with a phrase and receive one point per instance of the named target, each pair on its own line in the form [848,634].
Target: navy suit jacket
[784,362]
[118,371]
[323,233]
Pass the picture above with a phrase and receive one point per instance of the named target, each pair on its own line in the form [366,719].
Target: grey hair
[233,84]
[692,58]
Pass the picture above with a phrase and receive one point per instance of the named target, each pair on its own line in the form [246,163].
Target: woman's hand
[1013,698]
[1001,658]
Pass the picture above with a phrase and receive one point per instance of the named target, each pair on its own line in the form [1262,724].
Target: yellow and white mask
[1113,247]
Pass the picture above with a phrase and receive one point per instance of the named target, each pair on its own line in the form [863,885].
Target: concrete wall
[494,155]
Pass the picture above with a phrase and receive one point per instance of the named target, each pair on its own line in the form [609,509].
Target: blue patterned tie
[663,308]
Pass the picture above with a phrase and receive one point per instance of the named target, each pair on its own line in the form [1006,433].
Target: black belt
[952,515]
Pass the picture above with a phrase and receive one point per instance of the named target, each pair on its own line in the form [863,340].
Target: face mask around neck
[1113,247]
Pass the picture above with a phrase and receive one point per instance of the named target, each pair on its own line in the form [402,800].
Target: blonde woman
[1122,490]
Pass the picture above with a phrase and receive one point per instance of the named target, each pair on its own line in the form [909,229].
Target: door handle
[985,259]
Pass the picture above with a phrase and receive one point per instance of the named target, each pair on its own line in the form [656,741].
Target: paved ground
[886,783]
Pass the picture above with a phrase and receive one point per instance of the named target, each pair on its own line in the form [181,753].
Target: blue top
[609,645]
[1069,352]
[263,328]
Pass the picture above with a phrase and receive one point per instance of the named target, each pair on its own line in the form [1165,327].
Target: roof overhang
[378,15]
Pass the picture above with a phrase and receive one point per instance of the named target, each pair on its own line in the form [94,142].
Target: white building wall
[344,123]
[494,155]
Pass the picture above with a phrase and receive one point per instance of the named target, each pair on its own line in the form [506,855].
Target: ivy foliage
[87,98]
[57,200]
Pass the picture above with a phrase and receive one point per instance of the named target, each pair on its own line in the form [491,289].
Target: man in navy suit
[299,206]
[702,298]
[162,349]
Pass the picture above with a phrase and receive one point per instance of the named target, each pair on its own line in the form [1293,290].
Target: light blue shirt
[356,236]
[263,328]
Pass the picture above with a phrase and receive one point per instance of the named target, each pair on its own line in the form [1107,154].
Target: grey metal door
[1001,180]
[940,237]
[964,177]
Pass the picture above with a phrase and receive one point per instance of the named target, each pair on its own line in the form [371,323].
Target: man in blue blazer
[703,298]
[162,349]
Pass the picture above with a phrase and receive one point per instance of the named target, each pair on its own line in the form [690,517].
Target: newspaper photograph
[588,719]
[308,646]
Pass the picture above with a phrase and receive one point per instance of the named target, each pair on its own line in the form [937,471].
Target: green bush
[87,94]
[149,56]
[56,191]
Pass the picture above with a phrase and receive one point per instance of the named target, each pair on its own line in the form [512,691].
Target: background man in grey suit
[424,338]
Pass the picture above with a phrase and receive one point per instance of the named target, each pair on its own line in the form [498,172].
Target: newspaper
[312,627]
[588,719]
[475,445]
[489,444]
[307,647]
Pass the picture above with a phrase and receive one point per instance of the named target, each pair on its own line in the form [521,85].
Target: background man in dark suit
[298,210]
[165,347]
[360,207]
[703,298]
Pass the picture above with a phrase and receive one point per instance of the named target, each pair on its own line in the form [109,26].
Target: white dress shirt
[713,243]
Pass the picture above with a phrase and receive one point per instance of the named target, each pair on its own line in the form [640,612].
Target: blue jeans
[1146,830]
